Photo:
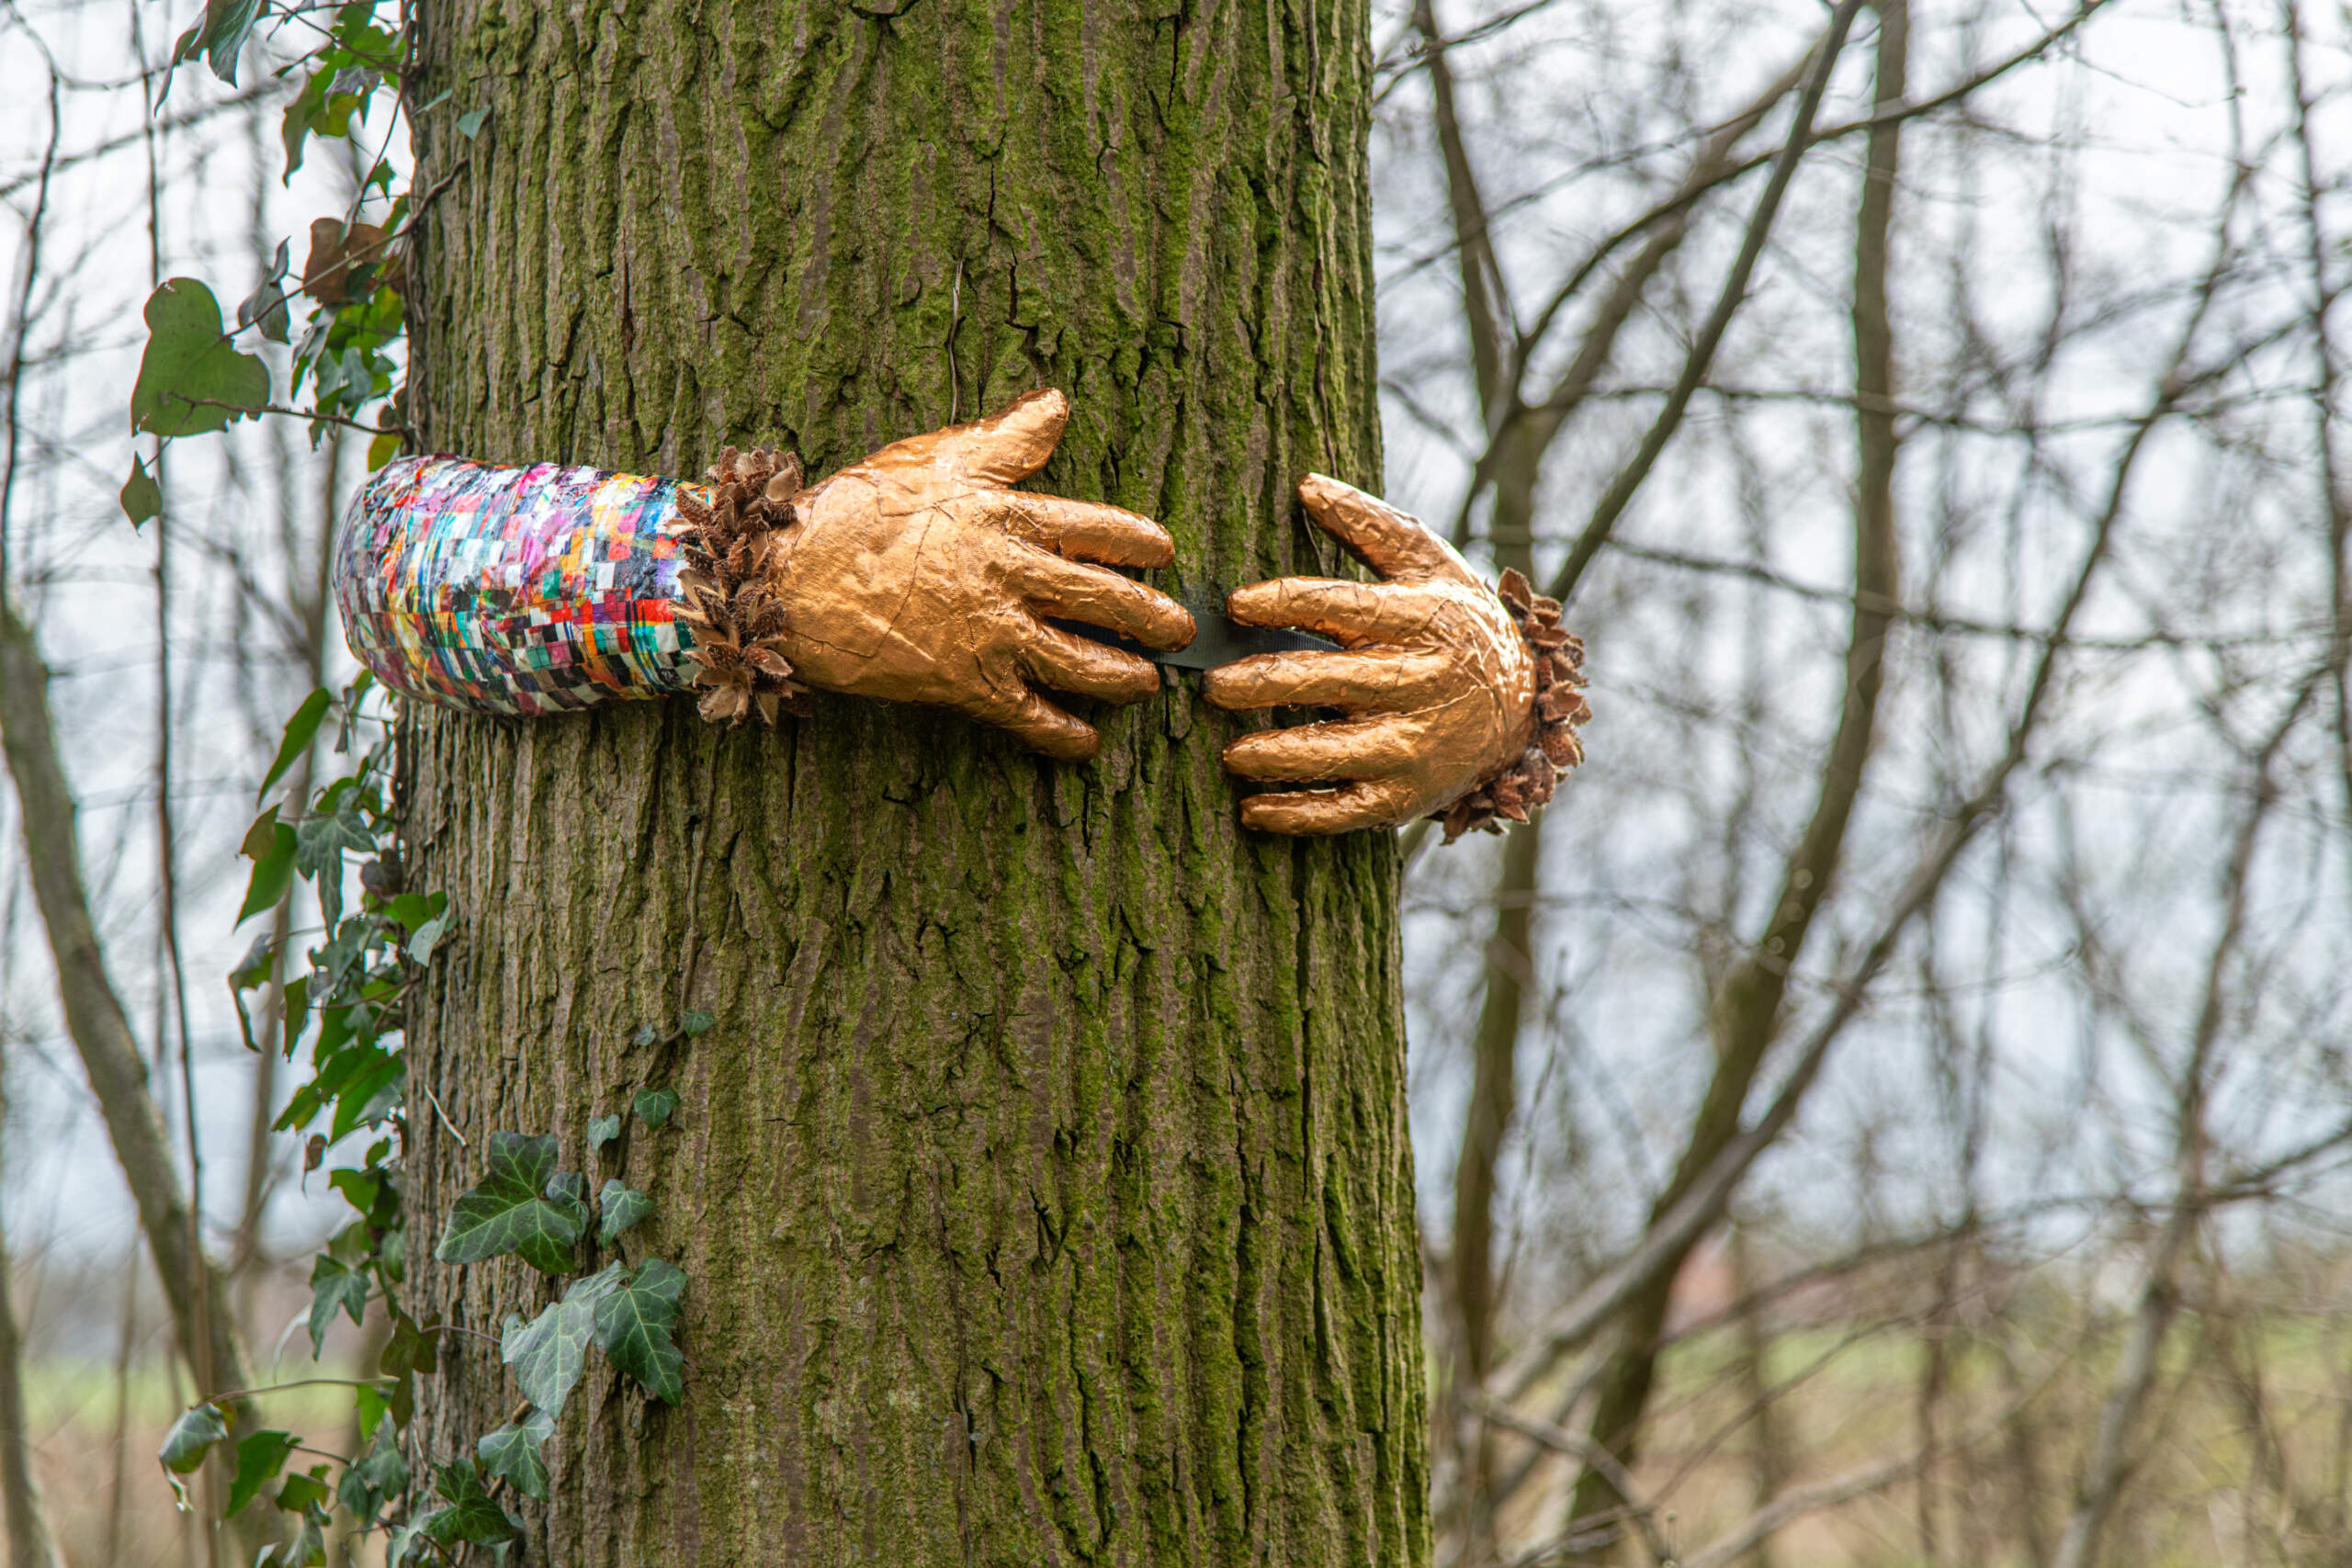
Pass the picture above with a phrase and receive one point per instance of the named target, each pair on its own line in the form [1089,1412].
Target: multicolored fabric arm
[514,591]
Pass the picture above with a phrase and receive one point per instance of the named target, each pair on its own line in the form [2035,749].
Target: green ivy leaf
[190,380]
[655,1106]
[259,1459]
[324,108]
[333,1286]
[220,37]
[470,1516]
[368,1408]
[322,839]
[469,123]
[304,1493]
[319,845]
[294,743]
[375,1194]
[142,497]
[550,1351]
[697,1021]
[508,1214]
[382,1474]
[191,1438]
[413,1347]
[634,1324]
[603,1130]
[621,1207]
[513,1451]
[273,868]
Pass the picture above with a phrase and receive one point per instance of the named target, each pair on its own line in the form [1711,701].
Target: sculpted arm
[917,574]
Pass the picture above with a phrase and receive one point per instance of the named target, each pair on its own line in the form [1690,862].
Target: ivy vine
[349,1001]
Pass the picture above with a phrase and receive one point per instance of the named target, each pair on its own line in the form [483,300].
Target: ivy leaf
[294,743]
[699,1021]
[319,845]
[259,1459]
[550,1351]
[369,1402]
[273,868]
[513,1451]
[320,109]
[191,1438]
[333,1285]
[412,1347]
[190,380]
[621,1207]
[470,1516]
[220,37]
[469,123]
[142,497]
[603,1130]
[302,1494]
[508,1214]
[633,1327]
[322,841]
[382,1474]
[655,1106]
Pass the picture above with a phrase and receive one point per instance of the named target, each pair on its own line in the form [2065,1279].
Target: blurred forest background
[1895,1106]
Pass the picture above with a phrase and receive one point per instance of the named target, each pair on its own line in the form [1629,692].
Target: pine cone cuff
[738,621]
[1530,777]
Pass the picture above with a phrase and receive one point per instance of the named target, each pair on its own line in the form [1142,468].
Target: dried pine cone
[738,622]
[1559,708]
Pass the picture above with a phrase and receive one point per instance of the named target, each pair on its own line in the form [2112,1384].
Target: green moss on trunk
[1044,1185]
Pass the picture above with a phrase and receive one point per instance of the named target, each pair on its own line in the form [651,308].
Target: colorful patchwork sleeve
[514,590]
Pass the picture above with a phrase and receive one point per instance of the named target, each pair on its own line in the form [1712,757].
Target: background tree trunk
[1044,1185]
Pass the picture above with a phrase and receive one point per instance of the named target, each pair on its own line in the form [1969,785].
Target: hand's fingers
[1353,612]
[1087,530]
[1052,656]
[1042,727]
[1346,749]
[1075,591]
[1007,446]
[1383,803]
[1379,678]
[1384,538]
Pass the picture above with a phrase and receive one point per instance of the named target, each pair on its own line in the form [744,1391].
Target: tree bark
[1043,1186]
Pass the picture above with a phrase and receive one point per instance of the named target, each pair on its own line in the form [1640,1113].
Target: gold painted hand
[1437,681]
[917,575]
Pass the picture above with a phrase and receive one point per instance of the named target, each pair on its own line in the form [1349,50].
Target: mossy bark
[1044,1185]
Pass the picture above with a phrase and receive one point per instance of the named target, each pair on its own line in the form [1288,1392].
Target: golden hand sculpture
[918,575]
[1455,701]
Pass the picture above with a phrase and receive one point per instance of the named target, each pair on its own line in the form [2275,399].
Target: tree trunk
[1043,1186]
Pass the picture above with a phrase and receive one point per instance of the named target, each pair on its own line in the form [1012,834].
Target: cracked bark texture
[1044,1185]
